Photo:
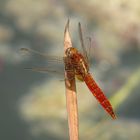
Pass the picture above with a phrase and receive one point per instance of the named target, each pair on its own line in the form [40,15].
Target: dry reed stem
[71,97]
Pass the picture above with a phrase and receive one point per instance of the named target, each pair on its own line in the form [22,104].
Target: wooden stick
[71,97]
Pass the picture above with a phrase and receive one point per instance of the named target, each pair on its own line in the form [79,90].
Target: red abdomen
[99,95]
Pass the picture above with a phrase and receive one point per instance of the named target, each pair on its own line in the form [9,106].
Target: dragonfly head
[70,52]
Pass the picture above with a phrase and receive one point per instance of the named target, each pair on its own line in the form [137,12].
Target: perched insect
[79,63]
[82,73]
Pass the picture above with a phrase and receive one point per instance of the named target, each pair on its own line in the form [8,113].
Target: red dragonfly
[80,65]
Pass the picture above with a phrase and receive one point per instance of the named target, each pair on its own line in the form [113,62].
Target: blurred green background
[32,105]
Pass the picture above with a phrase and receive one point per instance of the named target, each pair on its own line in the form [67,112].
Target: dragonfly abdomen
[97,92]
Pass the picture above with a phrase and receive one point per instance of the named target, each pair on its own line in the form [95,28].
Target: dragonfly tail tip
[114,116]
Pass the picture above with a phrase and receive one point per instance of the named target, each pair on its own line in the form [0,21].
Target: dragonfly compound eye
[71,51]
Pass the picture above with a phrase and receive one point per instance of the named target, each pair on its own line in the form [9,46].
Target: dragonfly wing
[44,70]
[82,42]
[34,52]
[89,42]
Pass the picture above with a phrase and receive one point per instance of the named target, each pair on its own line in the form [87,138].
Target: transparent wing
[89,50]
[58,60]
[44,70]
[48,57]
[56,64]
[82,42]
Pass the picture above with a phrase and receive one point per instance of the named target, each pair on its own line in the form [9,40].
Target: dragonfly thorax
[79,63]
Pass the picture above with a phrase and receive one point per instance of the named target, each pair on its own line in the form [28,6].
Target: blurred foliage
[127,89]
[33,105]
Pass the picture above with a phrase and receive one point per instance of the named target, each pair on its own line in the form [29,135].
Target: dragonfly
[79,62]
